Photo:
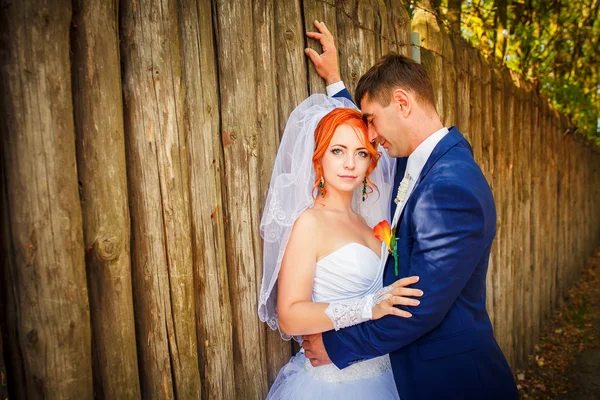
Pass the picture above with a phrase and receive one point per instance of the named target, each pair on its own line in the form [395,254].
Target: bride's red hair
[323,134]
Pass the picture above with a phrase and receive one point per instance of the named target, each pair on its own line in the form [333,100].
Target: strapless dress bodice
[347,273]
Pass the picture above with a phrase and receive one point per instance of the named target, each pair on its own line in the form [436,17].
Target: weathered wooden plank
[159,200]
[429,29]
[487,165]
[381,28]
[538,220]
[517,235]
[242,141]
[48,292]
[291,72]
[511,273]
[476,112]
[355,24]
[3,376]
[463,93]
[449,81]
[98,110]
[278,351]
[398,28]
[201,127]
[525,144]
[547,232]
[14,371]
[501,280]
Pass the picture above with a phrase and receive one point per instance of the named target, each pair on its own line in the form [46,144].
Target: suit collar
[452,138]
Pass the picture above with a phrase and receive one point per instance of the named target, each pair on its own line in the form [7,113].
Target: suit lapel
[452,138]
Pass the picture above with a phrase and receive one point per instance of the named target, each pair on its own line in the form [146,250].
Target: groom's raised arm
[448,243]
[326,63]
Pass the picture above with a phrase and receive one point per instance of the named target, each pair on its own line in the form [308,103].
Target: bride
[322,264]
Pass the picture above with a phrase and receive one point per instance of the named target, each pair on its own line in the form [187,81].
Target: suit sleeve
[449,240]
[344,93]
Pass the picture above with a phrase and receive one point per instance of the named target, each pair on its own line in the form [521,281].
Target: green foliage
[553,42]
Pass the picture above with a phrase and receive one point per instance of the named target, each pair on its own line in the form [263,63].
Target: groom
[446,224]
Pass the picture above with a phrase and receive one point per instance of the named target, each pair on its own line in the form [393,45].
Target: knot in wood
[107,248]
[32,336]
[289,35]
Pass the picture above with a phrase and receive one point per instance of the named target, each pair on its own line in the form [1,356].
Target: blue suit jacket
[447,349]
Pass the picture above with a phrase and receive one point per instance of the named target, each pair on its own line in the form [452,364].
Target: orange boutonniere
[383,232]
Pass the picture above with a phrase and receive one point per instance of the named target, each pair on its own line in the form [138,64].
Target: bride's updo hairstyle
[323,134]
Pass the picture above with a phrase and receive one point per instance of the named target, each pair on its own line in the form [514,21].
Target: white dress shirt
[335,88]
[418,158]
[414,165]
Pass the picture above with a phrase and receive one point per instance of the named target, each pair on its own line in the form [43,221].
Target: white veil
[291,192]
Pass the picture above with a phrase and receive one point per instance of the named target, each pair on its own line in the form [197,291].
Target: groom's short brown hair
[391,72]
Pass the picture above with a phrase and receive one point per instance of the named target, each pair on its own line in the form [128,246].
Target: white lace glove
[348,313]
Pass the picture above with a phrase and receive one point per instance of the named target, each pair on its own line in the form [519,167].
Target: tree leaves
[553,42]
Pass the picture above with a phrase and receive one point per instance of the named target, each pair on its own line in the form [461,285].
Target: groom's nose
[372,134]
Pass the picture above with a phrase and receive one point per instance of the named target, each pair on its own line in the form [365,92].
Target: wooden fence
[137,143]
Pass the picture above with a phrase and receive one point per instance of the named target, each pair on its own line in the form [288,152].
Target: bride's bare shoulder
[309,219]
[307,231]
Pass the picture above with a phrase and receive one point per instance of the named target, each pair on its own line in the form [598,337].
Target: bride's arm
[297,314]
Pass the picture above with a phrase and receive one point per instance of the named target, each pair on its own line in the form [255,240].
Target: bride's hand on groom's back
[396,295]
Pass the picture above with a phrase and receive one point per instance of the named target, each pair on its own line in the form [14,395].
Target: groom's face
[385,126]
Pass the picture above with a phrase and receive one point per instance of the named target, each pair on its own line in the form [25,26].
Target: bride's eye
[336,151]
[363,154]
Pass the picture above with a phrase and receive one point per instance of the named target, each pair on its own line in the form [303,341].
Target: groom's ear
[402,101]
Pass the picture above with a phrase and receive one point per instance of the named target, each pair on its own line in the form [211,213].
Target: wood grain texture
[49,317]
[98,111]
[214,319]
[355,23]
[158,176]
[425,23]
[242,141]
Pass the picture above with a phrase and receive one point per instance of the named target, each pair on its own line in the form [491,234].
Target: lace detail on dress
[361,370]
[349,313]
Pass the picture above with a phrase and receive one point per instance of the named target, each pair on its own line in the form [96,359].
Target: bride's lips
[348,177]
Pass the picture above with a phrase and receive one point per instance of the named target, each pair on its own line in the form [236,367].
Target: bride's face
[346,160]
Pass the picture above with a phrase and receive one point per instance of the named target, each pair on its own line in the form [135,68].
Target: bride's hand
[395,295]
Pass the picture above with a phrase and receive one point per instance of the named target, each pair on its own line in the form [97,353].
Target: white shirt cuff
[335,88]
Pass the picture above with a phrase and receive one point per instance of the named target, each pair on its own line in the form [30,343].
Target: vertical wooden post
[518,211]
[357,50]
[101,163]
[159,199]
[201,126]
[278,351]
[487,165]
[399,29]
[502,279]
[538,220]
[509,156]
[242,141]
[525,226]
[463,105]
[9,324]
[47,288]
[426,25]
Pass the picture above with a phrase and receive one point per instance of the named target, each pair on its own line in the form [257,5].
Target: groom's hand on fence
[314,350]
[326,63]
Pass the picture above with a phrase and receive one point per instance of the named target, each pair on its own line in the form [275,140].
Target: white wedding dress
[348,273]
